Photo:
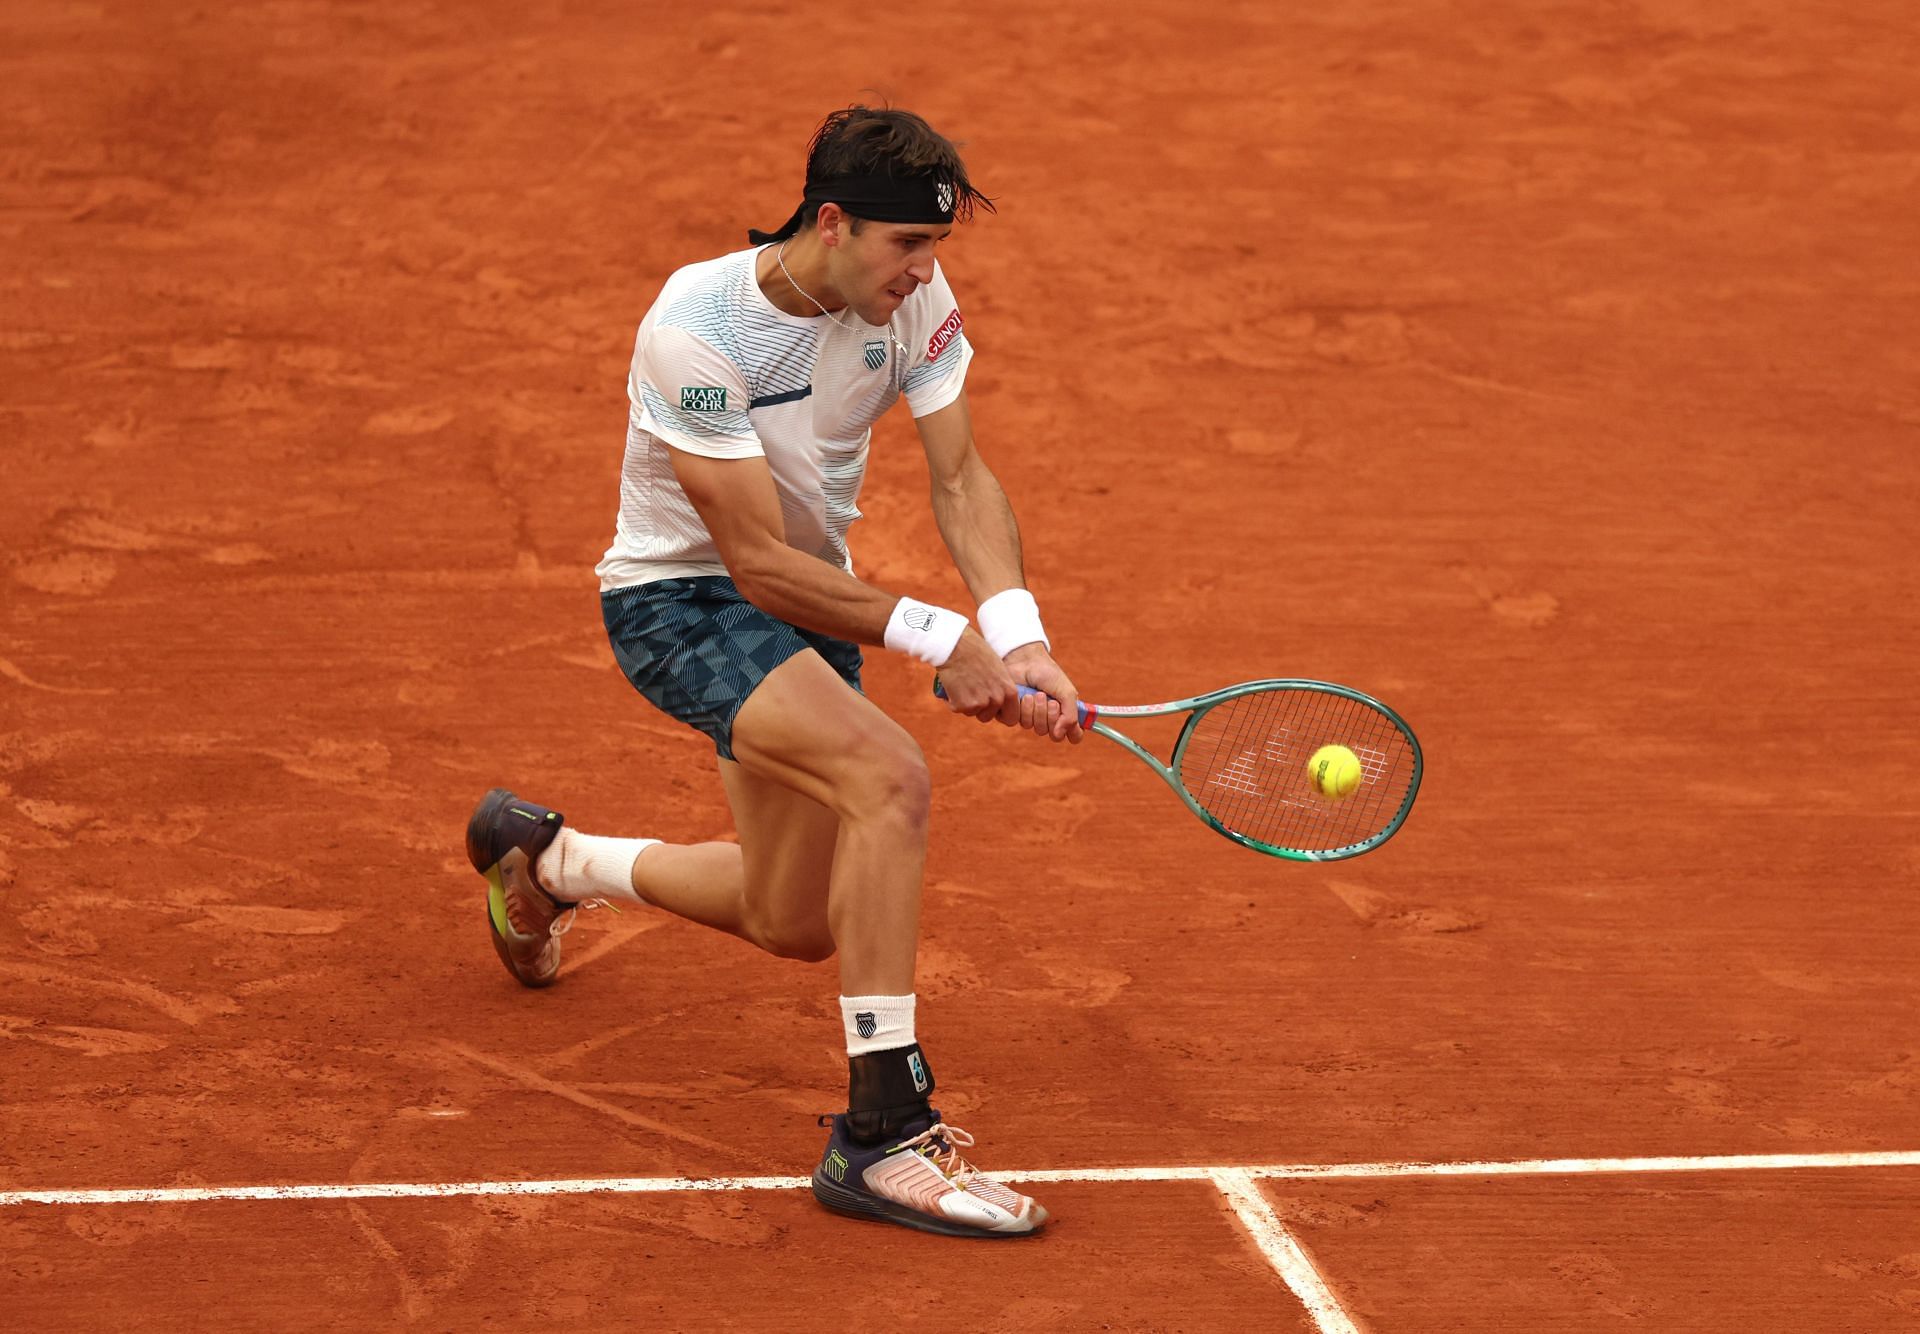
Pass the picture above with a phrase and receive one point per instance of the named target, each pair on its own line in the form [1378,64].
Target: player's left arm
[976,522]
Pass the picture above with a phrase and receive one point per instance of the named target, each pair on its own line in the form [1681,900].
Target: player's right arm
[736,500]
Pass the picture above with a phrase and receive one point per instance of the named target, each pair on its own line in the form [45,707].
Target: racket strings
[1245,761]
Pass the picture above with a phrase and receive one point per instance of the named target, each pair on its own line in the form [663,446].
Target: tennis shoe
[504,838]
[920,1180]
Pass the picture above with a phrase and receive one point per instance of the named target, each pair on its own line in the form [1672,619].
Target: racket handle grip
[1087,711]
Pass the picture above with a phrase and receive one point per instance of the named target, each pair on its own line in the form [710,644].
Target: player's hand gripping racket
[1242,764]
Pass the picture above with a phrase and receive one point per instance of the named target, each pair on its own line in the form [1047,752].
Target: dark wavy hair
[862,141]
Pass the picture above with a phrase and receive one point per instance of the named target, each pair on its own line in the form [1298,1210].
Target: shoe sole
[480,827]
[852,1203]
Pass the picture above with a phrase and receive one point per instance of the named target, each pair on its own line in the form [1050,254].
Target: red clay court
[1547,371]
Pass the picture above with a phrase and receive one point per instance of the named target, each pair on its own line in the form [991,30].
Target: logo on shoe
[918,1069]
[836,1165]
[864,1023]
[703,398]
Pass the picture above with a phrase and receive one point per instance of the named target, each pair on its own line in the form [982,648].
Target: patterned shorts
[696,649]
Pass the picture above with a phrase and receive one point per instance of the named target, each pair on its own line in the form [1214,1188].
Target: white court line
[375,1190]
[403,1190]
[1237,1184]
[1738,1162]
[1282,1251]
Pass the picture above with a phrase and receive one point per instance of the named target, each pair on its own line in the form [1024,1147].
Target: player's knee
[806,947]
[892,784]
[805,942]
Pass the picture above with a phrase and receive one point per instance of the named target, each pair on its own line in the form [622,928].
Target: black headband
[887,198]
[877,198]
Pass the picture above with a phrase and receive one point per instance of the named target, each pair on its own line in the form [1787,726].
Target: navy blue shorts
[696,649]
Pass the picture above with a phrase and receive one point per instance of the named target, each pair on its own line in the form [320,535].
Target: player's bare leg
[823,751]
[787,846]
[770,888]
[804,731]
[889,1156]
[810,751]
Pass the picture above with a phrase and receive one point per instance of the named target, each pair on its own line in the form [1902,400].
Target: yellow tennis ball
[1334,772]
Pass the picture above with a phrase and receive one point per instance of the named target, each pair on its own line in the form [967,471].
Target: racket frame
[1196,708]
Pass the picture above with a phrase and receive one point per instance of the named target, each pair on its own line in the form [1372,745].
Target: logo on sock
[918,1069]
[863,1021]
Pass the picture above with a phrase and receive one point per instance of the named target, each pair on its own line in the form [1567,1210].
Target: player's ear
[832,223]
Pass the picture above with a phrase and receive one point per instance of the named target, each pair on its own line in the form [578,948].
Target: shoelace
[950,1164]
[564,922]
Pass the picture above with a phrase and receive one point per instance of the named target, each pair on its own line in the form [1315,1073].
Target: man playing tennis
[730,601]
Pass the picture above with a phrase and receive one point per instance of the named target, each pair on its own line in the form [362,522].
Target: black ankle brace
[885,1091]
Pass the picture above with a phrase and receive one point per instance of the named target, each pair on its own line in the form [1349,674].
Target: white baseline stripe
[392,1190]
[1738,1162]
[1282,1251]
[1749,1162]
[1762,1162]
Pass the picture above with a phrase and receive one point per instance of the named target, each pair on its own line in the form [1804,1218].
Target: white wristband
[924,632]
[1011,619]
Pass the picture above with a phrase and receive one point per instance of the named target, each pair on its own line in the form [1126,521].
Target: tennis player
[731,603]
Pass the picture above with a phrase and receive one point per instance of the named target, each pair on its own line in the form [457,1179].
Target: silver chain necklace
[780,258]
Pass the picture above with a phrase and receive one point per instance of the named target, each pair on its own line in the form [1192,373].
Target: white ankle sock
[576,866]
[877,1023]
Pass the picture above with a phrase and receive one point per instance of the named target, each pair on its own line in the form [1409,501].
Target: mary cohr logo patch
[703,398]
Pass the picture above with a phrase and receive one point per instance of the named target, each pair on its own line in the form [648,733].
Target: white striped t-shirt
[718,370]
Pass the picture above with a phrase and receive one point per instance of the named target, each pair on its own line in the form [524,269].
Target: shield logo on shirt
[874,353]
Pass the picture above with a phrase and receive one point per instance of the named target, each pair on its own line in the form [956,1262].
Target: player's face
[884,264]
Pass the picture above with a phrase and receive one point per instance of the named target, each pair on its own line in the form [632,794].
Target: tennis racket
[1240,764]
